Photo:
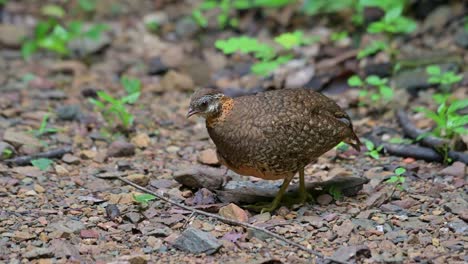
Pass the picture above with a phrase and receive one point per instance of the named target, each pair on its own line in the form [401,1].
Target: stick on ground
[223,219]
[51,154]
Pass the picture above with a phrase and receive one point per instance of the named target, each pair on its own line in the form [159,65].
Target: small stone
[196,241]
[457,169]
[461,38]
[133,217]
[344,229]
[38,253]
[175,81]
[38,188]
[89,233]
[298,78]
[185,27]
[141,140]
[61,171]
[172,149]
[315,221]
[120,149]
[458,226]
[134,259]
[70,159]
[234,212]
[112,211]
[12,35]
[324,199]
[22,236]
[88,154]
[139,179]
[18,138]
[154,242]
[157,67]
[68,112]
[31,193]
[208,157]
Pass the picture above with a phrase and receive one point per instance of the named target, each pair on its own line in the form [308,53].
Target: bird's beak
[191,112]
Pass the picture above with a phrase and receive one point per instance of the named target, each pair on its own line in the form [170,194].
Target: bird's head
[205,102]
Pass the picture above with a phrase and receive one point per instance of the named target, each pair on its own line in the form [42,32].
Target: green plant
[398,179]
[43,129]
[373,48]
[143,199]
[335,192]
[43,164]
[337,36]
[448,122]
[7,153]
[445,79]
[227,7]
[372,150]
[384,93]
[342,146]
[267,57]
[393,22]
[113,108]
[50,35]
[87,5]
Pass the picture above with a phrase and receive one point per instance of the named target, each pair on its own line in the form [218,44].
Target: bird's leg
[276,202]
[303,194]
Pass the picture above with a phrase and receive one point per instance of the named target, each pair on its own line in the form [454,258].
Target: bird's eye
[204,104]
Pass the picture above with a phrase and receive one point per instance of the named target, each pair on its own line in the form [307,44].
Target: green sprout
[267,57]
[338,36]
[372,150]
[52,36]
[384,93]
[335,192]
[43,164]
[372,49]
[143,199]
[87,5]
[7,153]
[445,79]
[393,22]
[398,179]
[113,108]
[449,123]
[43,129]
[342,146]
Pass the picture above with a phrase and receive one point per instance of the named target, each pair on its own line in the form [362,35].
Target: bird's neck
[226,104]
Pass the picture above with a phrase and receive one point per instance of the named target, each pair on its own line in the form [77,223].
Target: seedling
[143,199]
[342,146]
[113,108]
[372,150]
[43,164]
[448,122]
[7,153]
[265,53]
[445,79]
[337,36]
[398,179]
[87,5]
[383,95]
[50,35]
[393,23]
[372,49]
[335,192]
[43,129]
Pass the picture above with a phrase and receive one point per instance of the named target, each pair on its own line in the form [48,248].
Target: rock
[381,69]
[68,112]
[133,259]
[22,236]
[68,226]
[61,171]
[18,138]
[208,157]
[346,253]
[82,47]
[234,212]
[154,242]
[196,241]
[141,140]
[63,249]
[315,221]
[112,211]
[202,197]
[297,79]
[185,27]
[120,149]
[461,38]
[38,188]
[89,233]
[437,18]
[201,176]
[376,199]
[414,79]
[457,169]
[6,151]
[344,229]
[12,35]
[175,81]
[133,217]
[38,253]
[456,206]
[458,226]
[139,179]
[157,229]
[88,154]
[70,159]
[324,199]
[157,67]
[159,18]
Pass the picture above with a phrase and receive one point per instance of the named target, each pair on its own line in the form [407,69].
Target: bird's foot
[302,199]
[262,207]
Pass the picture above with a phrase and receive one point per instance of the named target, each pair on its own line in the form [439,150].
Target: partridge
[273,135]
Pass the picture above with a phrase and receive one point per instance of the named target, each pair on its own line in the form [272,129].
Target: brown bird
[275,134]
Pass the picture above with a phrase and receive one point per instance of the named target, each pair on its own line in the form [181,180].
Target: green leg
[276,202]
[304,196]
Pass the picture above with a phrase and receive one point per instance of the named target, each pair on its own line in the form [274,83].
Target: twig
[51,154]
[223,219]
[435,143]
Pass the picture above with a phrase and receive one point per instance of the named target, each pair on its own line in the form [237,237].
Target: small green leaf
[433,70]
[53,11]
[290,40]
[375,80]
[392,179]
[199,18]
[399,171]
[130,99]
[355,81]
[369,145]
[131,85]
[144,198]
[386,92]
[87,5]
[28,48]
[372,48]
[42,163]
[374,155]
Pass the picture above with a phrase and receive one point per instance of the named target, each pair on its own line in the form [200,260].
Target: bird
[273,135]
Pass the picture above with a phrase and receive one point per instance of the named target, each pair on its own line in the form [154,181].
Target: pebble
[120,149]
[234,212]
[196,241]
